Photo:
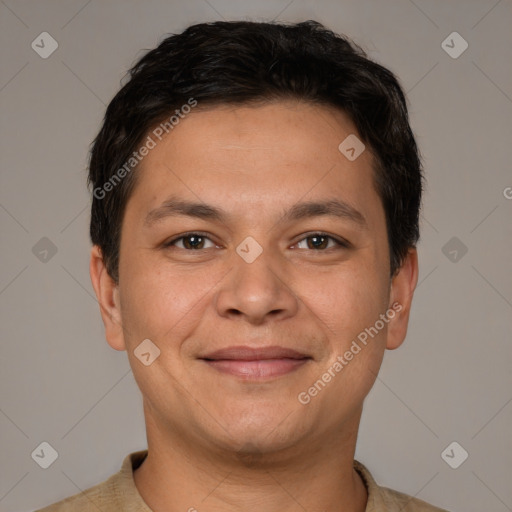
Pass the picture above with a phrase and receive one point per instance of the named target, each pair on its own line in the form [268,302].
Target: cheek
[351,308]
[347,300]
[158,300]
[360,333]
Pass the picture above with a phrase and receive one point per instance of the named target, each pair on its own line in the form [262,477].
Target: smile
[257,369]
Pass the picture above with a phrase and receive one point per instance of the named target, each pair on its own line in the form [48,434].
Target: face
[281,289]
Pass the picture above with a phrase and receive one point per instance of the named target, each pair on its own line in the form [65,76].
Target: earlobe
[107,294]
[403,285]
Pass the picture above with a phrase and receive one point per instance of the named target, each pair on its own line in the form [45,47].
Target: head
[293,243]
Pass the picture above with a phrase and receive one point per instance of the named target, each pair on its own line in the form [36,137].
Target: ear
[107,293]
[402,289]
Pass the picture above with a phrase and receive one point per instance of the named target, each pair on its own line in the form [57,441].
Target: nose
[257,290]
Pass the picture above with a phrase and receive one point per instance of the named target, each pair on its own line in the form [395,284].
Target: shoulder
[116,493]
[383,499]
[406,503]
[100,497]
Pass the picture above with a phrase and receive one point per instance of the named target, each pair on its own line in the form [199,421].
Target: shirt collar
[131,500]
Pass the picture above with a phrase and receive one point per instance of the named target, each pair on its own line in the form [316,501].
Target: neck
[179,474]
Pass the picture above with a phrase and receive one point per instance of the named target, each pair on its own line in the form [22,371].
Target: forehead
[256,157]
[283,130]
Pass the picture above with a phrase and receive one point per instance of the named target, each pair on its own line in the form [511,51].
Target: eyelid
[202,234]
[341,242]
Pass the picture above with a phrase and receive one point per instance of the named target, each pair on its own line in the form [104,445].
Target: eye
[196,241]
[320,241]
[191,241]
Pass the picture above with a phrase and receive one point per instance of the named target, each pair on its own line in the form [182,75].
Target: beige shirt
[119,494]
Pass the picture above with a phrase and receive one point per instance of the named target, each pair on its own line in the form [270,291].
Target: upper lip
[244,353]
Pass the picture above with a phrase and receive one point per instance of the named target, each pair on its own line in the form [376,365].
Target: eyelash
[339,242]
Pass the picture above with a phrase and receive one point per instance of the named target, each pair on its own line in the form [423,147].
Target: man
[256,194]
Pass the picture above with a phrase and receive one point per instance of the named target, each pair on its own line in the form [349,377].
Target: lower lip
[261,369]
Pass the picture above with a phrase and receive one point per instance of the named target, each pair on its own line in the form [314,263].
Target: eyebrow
[332,208]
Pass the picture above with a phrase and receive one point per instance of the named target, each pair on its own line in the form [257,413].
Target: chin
[262,435]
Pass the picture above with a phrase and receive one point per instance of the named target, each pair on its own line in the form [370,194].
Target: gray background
[451,380]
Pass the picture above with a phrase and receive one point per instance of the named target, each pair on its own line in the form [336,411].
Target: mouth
[256,363]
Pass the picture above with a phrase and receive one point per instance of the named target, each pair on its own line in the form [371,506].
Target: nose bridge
[255,288]
[256,269]
[256,264]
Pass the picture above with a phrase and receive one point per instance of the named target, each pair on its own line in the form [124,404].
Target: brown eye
[320,242]
[190,241]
